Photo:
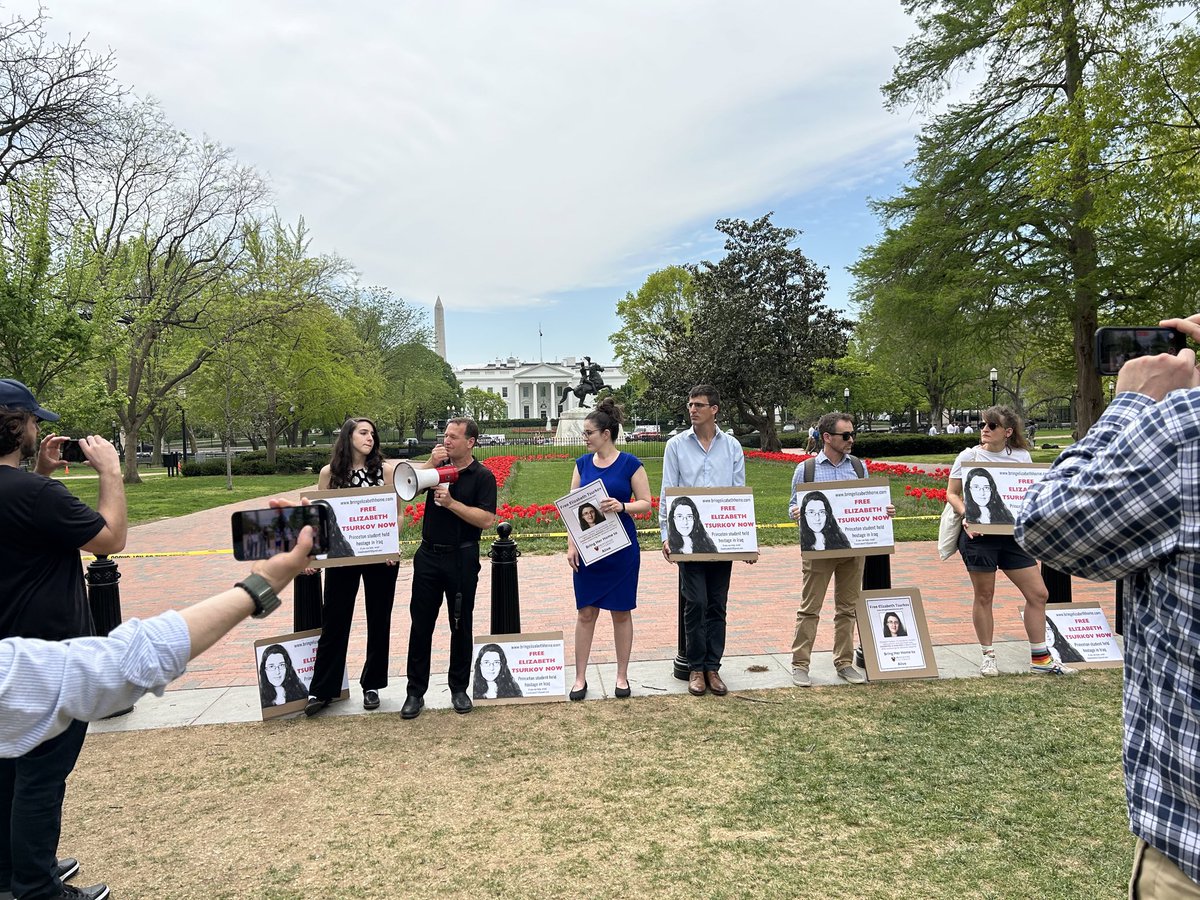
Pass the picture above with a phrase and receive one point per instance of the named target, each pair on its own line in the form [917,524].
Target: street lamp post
[183,419]
[846,397]
[994,376]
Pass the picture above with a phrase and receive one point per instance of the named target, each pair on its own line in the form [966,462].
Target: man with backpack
[834,463]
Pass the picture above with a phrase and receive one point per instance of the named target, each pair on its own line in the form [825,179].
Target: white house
[533,389]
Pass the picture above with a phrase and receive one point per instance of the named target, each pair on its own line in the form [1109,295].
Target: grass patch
[161,498]
[1007,787]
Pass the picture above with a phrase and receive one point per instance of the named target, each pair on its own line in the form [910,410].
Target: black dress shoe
[460,701]
[412,707]
[579,694]
[622,692]
[67,868]
[370,699]
[314,706]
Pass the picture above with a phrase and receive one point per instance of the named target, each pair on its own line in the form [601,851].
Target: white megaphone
[410,480]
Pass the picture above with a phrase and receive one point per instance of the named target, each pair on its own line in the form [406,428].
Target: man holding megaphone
[463,495]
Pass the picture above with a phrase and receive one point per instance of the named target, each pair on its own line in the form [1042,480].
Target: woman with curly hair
[493,680]
[685,531]
[278,682]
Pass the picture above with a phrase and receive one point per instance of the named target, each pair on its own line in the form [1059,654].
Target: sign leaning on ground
[1078,634]
[711,523]
[366,527]
[896,643]
[997,491]
[518,668]
[846,518]
[285,668]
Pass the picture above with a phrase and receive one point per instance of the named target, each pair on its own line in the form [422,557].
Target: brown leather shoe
[696,686]
[716,685]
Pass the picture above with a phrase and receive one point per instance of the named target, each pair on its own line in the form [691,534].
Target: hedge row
[882,444]
[291,460]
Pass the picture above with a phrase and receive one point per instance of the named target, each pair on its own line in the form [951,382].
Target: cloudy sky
[531,162]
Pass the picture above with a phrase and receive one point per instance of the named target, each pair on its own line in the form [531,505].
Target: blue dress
[611,583]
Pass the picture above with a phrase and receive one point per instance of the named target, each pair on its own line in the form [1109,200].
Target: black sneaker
[370,699]
[66,869]
[92,892]
[314,706]
[859,659]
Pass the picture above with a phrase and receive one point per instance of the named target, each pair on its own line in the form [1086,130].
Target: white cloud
[495,153]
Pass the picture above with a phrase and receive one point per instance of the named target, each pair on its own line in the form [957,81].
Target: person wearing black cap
[43,526]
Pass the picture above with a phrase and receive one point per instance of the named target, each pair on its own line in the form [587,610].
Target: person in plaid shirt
[1124,502]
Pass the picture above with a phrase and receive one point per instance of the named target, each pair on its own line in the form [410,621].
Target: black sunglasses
[844,435]
[992,425]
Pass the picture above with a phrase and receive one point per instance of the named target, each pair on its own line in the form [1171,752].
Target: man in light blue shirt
[702,456]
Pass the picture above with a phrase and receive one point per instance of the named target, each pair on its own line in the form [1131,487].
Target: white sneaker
[988,667]
[1052,669]
[800,677]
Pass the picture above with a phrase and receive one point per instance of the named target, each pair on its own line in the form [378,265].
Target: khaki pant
[847,572]
[1157,878]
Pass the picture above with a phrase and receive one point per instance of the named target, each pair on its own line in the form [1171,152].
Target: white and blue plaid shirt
[1124,502]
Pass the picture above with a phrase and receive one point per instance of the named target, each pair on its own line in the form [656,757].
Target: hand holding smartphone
[1116,346]
[261,533]
[70,451]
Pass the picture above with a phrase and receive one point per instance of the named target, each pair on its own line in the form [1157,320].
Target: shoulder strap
[859,468]
[810,469]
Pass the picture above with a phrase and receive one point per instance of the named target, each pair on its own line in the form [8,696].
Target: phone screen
[261,533]
[70,451]
[1116,346]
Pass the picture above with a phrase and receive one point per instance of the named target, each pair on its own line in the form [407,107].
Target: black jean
[341,588]
[704,587]
[32,788]
[438,575]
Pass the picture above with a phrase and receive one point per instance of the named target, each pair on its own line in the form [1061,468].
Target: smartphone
[261,533]
[70,451]
[1115,346]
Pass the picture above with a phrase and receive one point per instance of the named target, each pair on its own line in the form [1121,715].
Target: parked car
[645,433]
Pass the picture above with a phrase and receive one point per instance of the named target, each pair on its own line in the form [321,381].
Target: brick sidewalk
[762,600]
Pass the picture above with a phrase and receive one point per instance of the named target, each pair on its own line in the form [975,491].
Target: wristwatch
[261,592]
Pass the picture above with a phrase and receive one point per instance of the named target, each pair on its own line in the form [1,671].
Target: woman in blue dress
[610,583]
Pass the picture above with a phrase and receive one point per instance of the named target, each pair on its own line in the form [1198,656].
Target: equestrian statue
[591,381]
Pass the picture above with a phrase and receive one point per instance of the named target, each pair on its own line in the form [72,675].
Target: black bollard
[506,597]
[877,572]
[104,594]
[104,598]
[1058,584]
[680,669]
[306,602]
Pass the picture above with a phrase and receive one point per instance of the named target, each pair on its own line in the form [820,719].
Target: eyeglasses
[698,405]
[992,425]
[587,433]
[844,435]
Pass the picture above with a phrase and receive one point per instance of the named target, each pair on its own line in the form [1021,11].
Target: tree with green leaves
[483,405]
[650,320]
[758,325]
[1044,167]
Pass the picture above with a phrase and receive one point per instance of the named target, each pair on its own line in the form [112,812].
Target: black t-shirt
[476,486]
[42,527]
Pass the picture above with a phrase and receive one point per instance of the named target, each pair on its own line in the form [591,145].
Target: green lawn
[995,788]
[161,497]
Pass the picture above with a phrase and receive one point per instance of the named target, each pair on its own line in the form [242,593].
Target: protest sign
[896,642]
[518,668]
[711,523]
[845,518]
[366,526]
[994,492]
[1078,635]
[285,668]
[596,534]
